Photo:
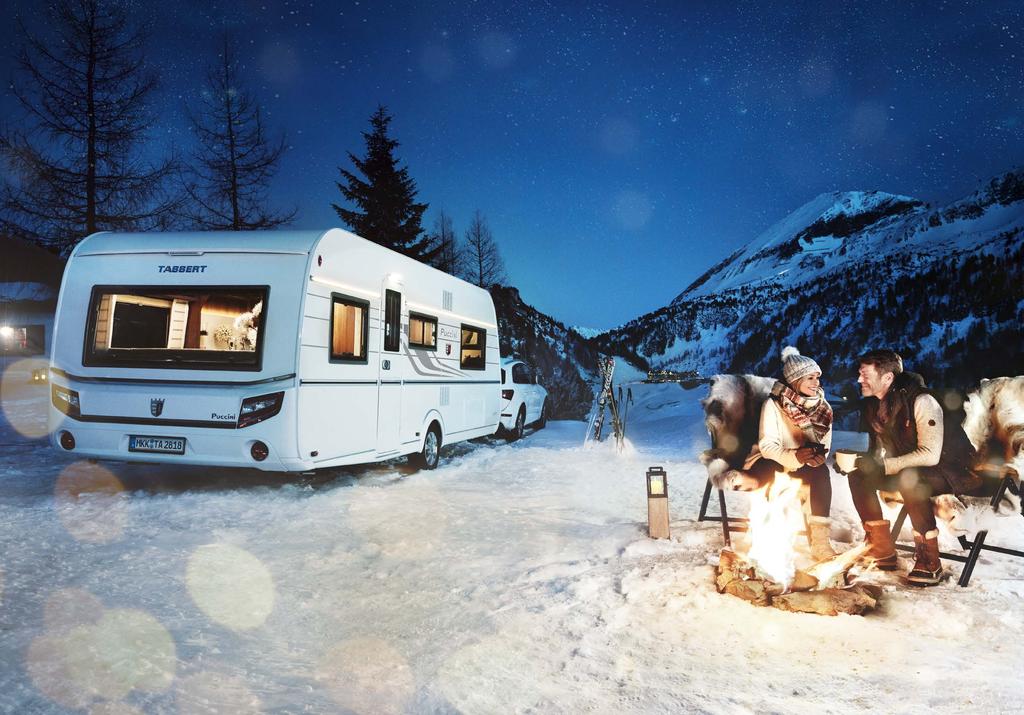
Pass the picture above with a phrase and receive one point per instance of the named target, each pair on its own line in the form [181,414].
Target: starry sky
[617,149]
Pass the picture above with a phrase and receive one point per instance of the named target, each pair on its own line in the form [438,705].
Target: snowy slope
[849,268]
[513,579]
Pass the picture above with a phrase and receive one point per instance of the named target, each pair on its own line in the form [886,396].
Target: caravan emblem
[156,406]
[448,349]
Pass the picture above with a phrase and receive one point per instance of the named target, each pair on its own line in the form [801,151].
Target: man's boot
[881,548]
[820,527]
[927,569]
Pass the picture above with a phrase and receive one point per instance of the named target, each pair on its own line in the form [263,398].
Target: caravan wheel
[430,455]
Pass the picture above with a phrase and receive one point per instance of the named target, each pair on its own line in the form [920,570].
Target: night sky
[617,150]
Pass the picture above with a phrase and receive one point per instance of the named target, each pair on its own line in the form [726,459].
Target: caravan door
[389,394]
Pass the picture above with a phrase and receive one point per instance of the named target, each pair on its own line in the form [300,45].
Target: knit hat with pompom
[796,366]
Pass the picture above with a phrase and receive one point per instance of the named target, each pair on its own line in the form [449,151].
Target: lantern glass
[657,482]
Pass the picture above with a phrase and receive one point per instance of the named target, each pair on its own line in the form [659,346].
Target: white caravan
[283,350]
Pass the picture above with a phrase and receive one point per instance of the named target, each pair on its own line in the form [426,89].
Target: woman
[795,436]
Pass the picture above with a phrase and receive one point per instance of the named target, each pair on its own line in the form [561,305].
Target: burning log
[831,601]
[807,593]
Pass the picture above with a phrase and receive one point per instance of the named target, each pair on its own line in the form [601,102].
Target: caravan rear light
[506,394]
[259,451]
[67,440]
[257,409]
[65,400]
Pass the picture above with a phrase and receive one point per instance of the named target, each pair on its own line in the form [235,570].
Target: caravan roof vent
[446,300]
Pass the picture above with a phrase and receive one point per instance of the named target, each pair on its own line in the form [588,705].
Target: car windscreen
[213,327]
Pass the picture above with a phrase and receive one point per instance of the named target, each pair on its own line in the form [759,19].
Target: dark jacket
[897,434]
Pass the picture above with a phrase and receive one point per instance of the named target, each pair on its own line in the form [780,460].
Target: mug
[846,459]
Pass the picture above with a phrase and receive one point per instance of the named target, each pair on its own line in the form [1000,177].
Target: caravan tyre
[430,455]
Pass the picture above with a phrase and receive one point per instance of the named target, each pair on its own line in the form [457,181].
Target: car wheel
[430,455]
[543,420]
[517,430]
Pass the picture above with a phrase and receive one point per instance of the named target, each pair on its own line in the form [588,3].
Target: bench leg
[725,517]
[898,526]
[972,558]
[704,502]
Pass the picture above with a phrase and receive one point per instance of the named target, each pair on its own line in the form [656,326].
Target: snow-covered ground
[515,578]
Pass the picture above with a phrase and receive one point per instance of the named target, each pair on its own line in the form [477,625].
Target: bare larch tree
[228,179]
[450,254]
[75,163]
[484,265]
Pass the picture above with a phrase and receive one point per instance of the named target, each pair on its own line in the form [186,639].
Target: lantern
[657,503]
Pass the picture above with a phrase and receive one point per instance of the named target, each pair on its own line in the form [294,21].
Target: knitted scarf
[812,415]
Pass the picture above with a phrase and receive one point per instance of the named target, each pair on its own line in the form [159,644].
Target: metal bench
[998,480]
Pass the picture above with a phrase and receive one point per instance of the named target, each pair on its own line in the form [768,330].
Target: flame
[775,520]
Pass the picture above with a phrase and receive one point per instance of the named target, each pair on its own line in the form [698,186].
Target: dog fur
[732,413]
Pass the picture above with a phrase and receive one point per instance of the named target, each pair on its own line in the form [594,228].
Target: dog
[732,414]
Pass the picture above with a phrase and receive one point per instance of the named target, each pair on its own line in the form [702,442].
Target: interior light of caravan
[6,331]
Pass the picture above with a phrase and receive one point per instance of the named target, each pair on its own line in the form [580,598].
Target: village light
[657,503]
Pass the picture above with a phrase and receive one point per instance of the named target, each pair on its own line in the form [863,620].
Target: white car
[523,400]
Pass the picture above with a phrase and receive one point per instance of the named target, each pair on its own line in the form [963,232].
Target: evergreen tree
[384,200]
[77,168]
[231,168]
[450,254]
[484,265]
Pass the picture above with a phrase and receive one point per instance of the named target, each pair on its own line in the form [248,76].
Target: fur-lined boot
[927,569]
[881,548]
[820,528]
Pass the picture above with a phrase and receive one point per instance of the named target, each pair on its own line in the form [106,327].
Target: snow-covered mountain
[849,271]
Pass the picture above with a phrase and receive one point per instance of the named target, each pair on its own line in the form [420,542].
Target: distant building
[29,282]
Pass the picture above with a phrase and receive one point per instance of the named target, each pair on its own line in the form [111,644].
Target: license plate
[162,445]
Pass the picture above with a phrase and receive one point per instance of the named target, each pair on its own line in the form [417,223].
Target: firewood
[828,602]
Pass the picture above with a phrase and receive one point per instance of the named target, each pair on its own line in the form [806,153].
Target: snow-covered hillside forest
[850,271]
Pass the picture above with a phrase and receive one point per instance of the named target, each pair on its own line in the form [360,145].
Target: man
[912,450]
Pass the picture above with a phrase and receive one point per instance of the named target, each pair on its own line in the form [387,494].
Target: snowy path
[515,578]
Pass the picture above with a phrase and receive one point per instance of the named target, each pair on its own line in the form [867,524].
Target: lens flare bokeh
[231,586]
[91,503]
[367,675]
[19,398]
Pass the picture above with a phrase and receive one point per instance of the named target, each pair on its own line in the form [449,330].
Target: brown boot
[821,548]
[881,549]
[927,569]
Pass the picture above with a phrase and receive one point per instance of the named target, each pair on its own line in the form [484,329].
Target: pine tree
[231,168]
[450,254]
[384,200]
[77,168]
[484,265]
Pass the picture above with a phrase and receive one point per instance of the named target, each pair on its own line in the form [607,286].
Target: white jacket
[780,439]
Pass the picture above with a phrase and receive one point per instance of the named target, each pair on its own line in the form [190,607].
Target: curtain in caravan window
[348,333]
[474,344]
[422,331]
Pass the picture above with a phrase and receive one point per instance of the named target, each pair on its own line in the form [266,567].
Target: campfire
[766,574]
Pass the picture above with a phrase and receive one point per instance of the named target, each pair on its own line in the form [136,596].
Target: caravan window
[211,327]
[349,328]
[473,352]
[422,331]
